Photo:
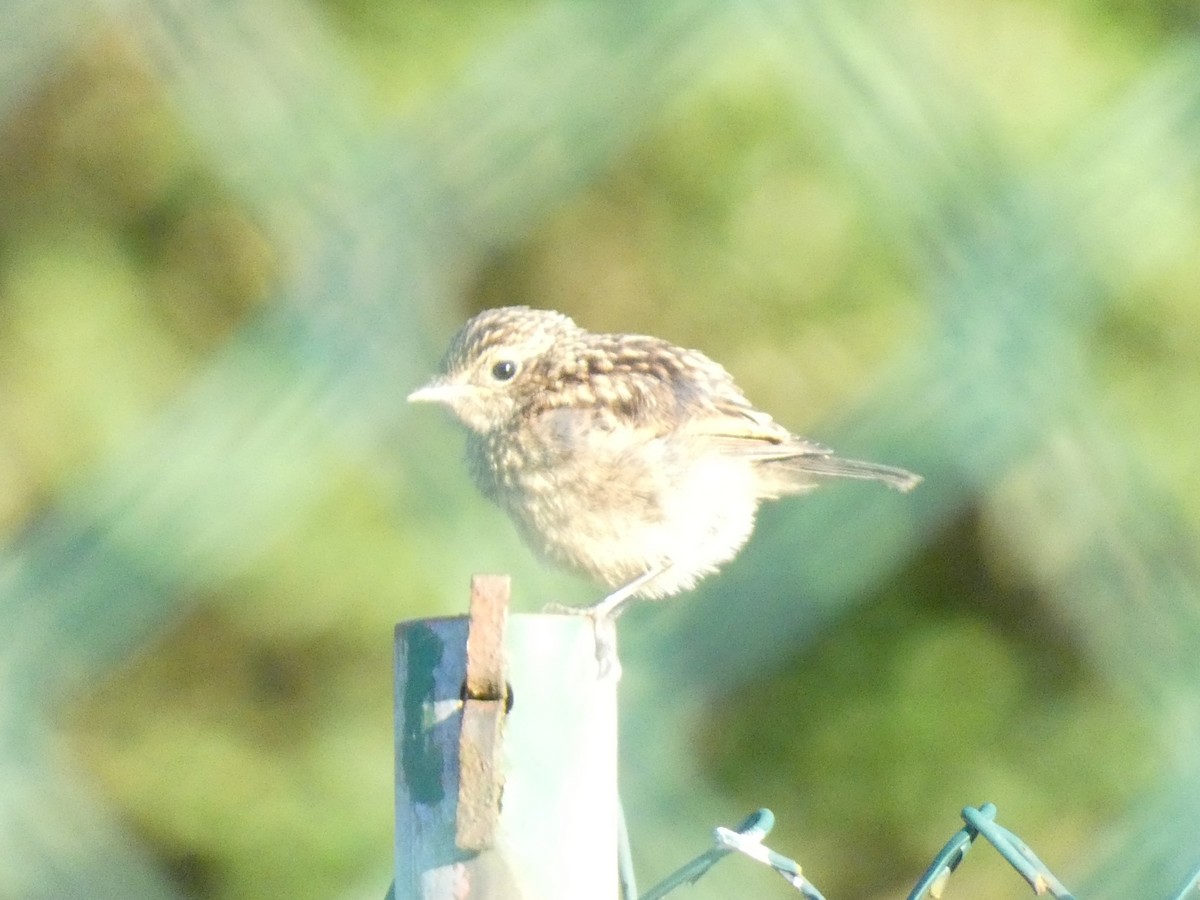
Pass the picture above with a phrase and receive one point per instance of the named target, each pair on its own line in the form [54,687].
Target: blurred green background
[962,237]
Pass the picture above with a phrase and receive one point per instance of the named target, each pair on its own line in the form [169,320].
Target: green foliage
[952,687]
[960,237]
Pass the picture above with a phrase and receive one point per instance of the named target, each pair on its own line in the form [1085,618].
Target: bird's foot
[604,628]
[604,619]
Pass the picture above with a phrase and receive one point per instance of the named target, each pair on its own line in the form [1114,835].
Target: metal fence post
[506,763]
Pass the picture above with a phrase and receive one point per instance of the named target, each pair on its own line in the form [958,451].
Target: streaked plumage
[620,454]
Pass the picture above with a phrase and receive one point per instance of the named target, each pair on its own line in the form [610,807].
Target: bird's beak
[439,390]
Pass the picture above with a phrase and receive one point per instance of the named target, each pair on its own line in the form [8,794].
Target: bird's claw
[604,629]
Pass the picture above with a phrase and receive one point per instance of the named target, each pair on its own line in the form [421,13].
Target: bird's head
[489,369]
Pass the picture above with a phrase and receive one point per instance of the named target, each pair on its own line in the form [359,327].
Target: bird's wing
[745,431]
[646,384]
[700,398]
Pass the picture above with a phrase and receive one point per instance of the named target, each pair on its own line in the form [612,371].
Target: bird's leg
[616,602]
[604,618]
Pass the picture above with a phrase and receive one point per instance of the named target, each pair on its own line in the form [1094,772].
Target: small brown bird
[621,456]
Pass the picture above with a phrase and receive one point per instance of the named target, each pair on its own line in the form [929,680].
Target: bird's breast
[563,466]
[613,502]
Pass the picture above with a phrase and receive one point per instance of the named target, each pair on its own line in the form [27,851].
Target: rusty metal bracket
[486,701]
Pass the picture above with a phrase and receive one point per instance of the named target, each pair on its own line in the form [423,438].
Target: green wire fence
[747,839]
[233,236]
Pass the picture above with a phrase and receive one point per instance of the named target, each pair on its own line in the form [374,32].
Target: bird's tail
[791,473]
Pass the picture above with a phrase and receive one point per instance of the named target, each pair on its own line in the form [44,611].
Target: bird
[622,457]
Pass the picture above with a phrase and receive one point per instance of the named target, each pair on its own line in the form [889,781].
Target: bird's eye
[504,370]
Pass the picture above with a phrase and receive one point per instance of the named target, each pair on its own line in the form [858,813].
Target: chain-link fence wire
[748,839]
[379,231]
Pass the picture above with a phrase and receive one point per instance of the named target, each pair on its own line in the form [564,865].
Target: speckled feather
[616,453]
